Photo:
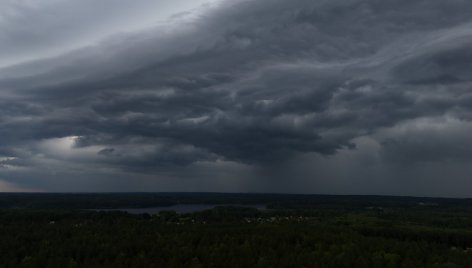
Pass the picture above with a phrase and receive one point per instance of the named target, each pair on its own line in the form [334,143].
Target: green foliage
[293,235]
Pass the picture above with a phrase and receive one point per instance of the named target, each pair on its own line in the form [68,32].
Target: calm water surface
[182,208]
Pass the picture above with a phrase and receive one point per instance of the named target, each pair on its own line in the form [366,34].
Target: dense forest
[293,231]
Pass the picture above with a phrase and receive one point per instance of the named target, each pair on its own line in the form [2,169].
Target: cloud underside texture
[270,95]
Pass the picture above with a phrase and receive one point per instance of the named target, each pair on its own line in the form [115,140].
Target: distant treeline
[274,201]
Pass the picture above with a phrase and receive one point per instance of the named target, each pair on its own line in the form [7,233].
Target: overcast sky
[299,96]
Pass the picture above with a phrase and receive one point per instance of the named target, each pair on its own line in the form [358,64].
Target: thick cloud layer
[358,96]
[41,28]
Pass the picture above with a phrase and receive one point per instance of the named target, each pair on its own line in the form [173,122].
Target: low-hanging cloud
[251,86]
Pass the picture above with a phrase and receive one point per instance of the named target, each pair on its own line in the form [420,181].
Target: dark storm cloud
[31,29]
[252,83]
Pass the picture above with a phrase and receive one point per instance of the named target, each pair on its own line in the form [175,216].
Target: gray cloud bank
[349,97]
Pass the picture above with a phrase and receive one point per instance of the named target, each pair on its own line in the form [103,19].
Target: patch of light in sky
[145,16]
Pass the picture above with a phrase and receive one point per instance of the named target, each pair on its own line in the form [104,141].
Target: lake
[181,208]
